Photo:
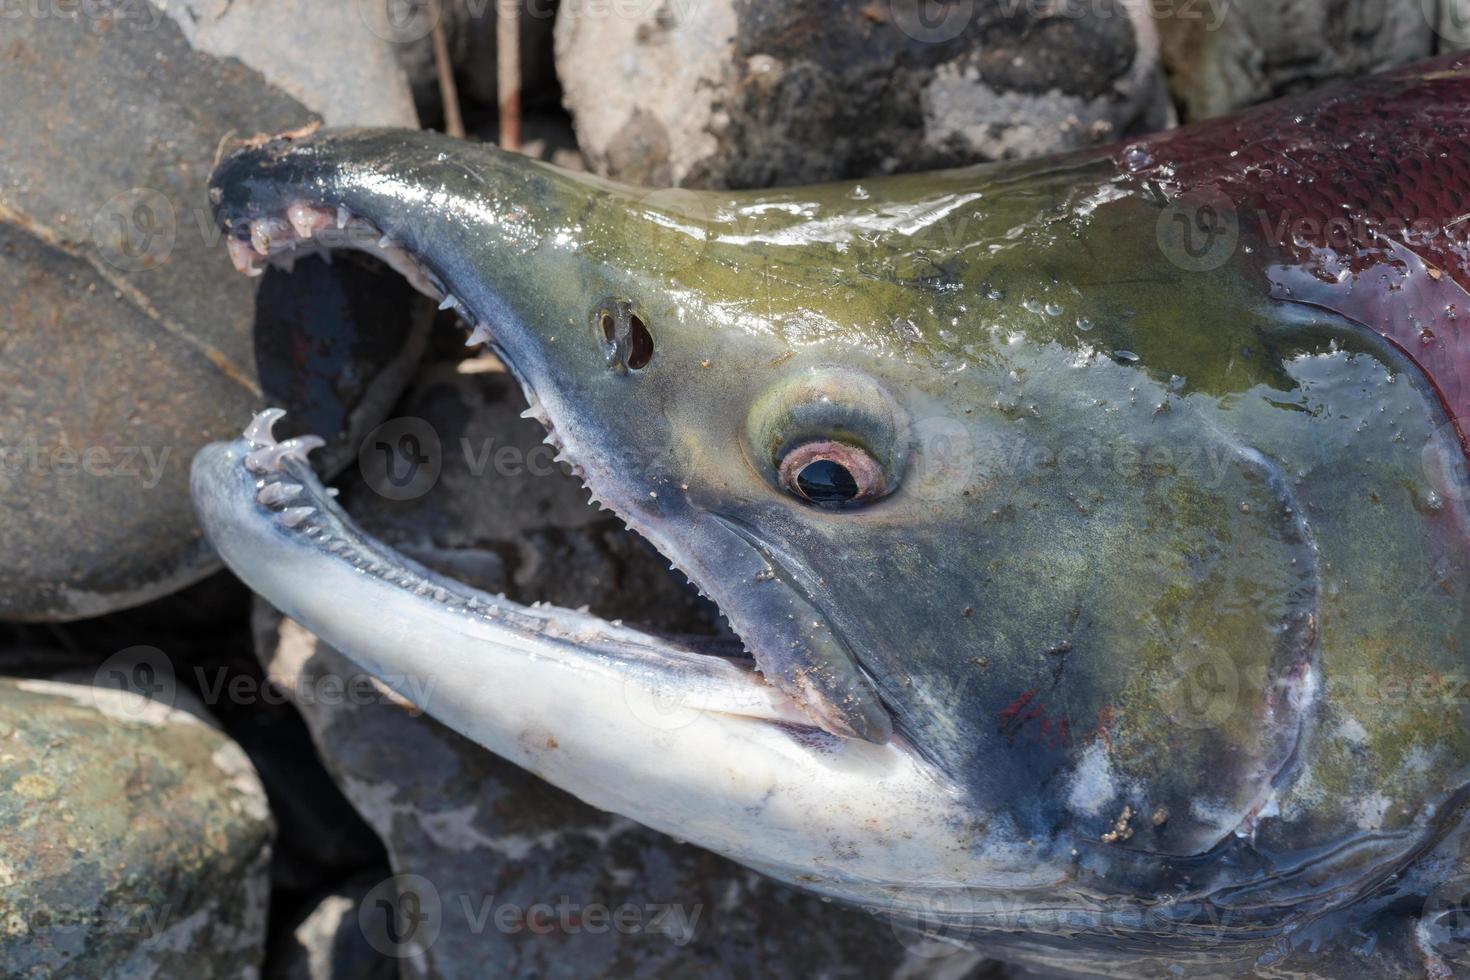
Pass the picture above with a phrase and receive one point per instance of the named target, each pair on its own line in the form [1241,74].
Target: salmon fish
[1095,527]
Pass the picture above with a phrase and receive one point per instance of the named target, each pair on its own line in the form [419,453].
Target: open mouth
[280,201]
[684,674]
[272,227]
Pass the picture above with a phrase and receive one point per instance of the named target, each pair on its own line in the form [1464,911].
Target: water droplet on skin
[859,193]
[1052,309]
[1126,357]
[1031,305]
[1136,158]
[1084,324]
[995,294]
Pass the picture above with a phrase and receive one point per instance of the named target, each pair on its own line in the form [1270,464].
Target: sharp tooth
[258,432]
[268,459]
[385,242]
[260,236]
[298,448]
[292,516]
[449,302]
[278,493]
[479,335]
[242,256]
[302,217]
[343,216]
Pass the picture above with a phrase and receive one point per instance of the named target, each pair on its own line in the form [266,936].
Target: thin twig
[453,122]
[508,71]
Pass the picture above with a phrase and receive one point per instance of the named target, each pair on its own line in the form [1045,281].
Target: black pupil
[824,481]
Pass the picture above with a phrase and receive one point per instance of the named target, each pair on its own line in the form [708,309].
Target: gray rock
[129,342]
[1221,55]
[323,53]
[496,873]
[728,93]
[134,839]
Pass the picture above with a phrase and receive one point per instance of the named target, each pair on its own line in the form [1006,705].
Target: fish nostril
[640,343]
[626,340]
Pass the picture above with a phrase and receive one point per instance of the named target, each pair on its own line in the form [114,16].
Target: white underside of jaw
[698,747]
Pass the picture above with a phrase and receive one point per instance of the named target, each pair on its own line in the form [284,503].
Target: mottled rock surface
[729,93]
[323,53]
[497,873]
[129,342]
[134,839]
[1222,55]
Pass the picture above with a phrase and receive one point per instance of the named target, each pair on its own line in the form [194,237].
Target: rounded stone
[134,839]
[731,94]
[129,340]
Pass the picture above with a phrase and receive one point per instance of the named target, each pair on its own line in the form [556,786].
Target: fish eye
[831,438]
[831,474]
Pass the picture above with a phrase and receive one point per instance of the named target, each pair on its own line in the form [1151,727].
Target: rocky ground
[192,786]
